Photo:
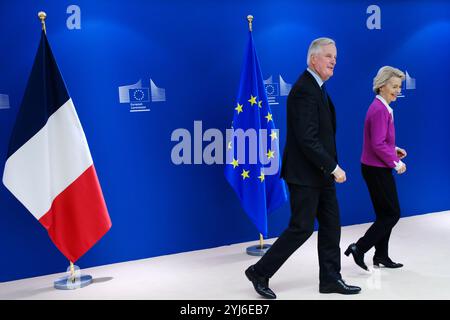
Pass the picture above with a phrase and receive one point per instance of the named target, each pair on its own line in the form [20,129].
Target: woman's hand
[401,153]
[402,169]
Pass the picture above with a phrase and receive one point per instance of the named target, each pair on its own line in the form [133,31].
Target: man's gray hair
[383,76]
[316,46]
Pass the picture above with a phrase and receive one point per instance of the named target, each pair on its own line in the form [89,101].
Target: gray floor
[422,243]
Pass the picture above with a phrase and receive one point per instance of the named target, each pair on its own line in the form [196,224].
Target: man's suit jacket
[310,153]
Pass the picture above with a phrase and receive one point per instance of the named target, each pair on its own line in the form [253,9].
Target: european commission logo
[139,98]
[408,84]
[4,101]
[276,89]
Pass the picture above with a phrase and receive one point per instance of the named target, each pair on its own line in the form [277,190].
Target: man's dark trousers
[308,203]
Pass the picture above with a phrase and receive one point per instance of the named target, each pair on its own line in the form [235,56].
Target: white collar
[316,76]
[391,111]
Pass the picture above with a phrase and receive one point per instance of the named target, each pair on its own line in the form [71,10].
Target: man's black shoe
[261,284]
[339,287]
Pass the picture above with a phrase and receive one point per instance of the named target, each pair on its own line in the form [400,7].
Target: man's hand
[339,175]
[401,153]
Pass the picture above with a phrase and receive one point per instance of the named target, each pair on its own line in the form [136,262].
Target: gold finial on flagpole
[42,15]
[250,19]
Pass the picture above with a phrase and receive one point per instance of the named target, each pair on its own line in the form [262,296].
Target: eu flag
[139,95]
[253,162]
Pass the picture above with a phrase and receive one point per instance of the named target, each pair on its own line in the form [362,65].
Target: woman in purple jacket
[379,156]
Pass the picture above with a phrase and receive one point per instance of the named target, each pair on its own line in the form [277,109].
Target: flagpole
[261,249]
[250,27]
[71,281]
[72,271]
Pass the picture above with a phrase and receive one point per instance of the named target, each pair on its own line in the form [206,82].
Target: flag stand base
[65,283]
[257,250]
[71,282]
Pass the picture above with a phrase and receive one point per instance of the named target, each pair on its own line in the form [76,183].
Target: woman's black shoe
[358,256]
[387,262]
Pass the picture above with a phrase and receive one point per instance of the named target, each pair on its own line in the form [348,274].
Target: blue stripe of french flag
[49,168]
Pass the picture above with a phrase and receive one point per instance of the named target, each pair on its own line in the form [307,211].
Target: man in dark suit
[310,169]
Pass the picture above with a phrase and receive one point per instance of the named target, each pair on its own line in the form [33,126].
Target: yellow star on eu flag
[268,117]
[260,104]
[245,174]
[261,177]
[239,108]
[273,135]
[235,163]
[270,154]
[252,100]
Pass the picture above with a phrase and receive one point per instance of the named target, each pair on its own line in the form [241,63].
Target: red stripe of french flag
[78,217]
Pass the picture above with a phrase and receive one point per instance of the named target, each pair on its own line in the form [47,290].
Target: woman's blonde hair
[383,76]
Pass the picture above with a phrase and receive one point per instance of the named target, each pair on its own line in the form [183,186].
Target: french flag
[49,168]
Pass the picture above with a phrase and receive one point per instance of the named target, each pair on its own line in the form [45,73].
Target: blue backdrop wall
[194,51]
